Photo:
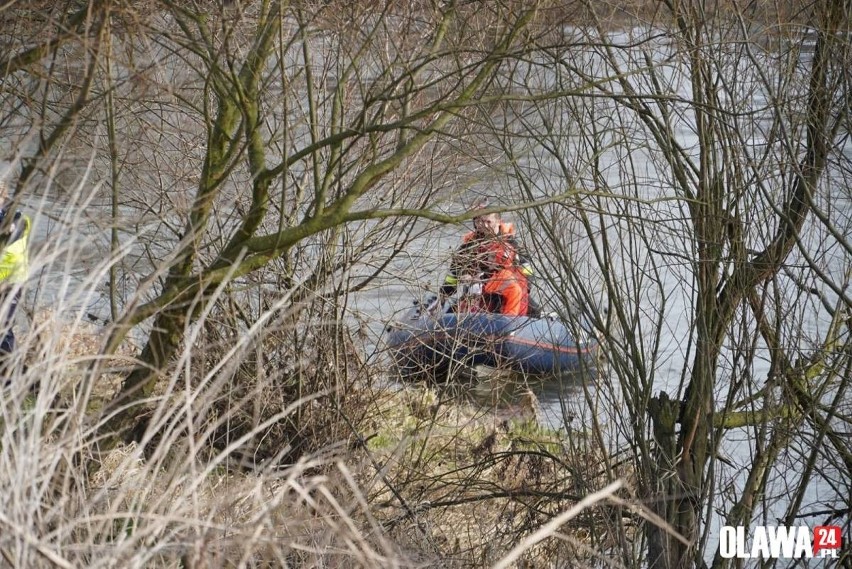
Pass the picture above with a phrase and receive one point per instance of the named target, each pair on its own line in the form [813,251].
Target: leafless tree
[709,245]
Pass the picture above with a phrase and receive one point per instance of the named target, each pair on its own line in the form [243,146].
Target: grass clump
[466,482]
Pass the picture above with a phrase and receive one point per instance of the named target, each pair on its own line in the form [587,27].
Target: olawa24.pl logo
[780,542]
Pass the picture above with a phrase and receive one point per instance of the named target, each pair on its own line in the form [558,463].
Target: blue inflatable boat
[421,341]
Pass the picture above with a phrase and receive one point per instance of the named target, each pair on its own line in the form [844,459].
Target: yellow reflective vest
[14,260]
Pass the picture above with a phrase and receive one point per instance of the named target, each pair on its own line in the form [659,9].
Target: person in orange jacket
[489,255]
[507,292]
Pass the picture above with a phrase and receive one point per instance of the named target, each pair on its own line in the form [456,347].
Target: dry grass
[437,481]
[467,483]
[169,501]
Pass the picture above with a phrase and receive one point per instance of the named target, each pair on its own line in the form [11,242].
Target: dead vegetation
[359,473]
[467,483]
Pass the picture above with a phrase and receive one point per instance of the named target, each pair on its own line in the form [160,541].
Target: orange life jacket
[512,288]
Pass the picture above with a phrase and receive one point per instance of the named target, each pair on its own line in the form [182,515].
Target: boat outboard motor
[430,306]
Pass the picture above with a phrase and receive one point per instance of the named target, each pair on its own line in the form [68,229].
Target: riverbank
[470,482]
[422,477]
